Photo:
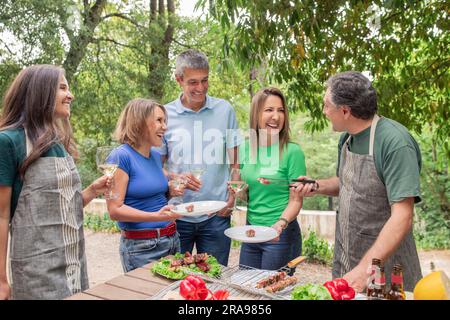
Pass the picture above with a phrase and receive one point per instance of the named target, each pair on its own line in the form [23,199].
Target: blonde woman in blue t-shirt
[146,222]
[269,153]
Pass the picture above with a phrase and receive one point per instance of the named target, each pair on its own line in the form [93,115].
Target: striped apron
[363,210]
[47,242]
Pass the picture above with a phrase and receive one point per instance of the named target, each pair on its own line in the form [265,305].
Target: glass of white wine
[178,180]
[236,184]
[197,170]
[108,166]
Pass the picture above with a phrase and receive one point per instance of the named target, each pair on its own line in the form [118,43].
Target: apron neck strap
[372,133]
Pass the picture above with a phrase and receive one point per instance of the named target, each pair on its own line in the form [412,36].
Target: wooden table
[138,284]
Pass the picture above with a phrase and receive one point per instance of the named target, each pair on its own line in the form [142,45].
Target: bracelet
[285,220]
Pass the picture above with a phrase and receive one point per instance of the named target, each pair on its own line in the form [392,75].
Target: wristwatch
[285,220]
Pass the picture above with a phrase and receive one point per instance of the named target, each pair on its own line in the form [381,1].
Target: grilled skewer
[280,285]
[271,280]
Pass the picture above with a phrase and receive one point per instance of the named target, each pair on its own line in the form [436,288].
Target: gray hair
[353,89]
[192,59]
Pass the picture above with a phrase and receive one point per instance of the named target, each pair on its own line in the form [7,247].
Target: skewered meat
[250,233]
[271,280]
[203,266]
[280,285]
[188,260]
[176,263]
[200,257]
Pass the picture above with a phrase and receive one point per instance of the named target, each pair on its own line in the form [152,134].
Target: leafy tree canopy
[404,45]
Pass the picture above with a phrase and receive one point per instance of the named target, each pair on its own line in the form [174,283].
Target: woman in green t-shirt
[270,154]
[41,201]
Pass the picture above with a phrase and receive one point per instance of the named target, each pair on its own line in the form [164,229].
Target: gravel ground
[102,251]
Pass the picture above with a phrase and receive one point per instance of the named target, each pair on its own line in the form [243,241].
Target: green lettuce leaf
[310,292]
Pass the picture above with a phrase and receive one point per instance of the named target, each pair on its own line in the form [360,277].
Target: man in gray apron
[377,183]
[47,245]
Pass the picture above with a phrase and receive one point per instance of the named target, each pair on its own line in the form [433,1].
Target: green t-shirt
[267,202]
[12,154]
[397,158]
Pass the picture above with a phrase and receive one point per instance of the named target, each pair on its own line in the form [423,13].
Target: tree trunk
[79,44]
[158,62]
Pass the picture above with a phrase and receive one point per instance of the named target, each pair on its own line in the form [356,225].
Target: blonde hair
[132,121]
[258,101]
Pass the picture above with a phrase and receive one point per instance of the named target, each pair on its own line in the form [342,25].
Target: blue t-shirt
[147,184]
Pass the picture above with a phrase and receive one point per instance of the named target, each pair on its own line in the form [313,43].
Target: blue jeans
[207,236]
[273,255]
[135,253]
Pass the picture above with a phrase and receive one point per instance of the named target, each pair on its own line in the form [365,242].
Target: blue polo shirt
[202,137]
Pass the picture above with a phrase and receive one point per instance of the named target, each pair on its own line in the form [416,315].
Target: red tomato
[221,295]
[349,294]
[340,284]
[332,290]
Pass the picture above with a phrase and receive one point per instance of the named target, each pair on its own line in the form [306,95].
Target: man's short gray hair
[353,89]
[192,59]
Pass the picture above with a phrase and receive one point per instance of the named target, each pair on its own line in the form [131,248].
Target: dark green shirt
[397,158]
[12,154]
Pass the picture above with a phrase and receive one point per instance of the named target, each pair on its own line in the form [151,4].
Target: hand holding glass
[108,166]
[178,181]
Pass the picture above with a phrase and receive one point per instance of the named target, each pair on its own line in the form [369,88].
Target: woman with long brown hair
[41,201]
[269,153]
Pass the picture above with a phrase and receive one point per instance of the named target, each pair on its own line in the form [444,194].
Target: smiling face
[194,83]
[156,124]
[63,99]
[272,115]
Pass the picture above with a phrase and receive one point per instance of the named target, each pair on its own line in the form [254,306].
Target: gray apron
[363,210]
[47,241]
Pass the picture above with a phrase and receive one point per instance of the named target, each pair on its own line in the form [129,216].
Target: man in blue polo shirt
[202,129]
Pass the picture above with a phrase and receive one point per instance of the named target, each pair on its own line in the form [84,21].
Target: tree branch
[122,16]
[96,40]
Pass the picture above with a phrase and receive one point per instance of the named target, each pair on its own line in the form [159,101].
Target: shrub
[103,223]
[317,250]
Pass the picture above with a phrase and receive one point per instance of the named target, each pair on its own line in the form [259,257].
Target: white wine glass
[108,166]
[236,184]
[197,170]
[178,180]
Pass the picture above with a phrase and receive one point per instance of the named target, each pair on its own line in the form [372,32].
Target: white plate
[200,208]
[262,234]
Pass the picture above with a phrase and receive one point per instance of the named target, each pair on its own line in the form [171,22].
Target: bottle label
[380,280]
[397,279]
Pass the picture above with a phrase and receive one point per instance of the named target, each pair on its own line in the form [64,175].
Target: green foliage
[317,250]
[404,44]
[98,223]
[432,219]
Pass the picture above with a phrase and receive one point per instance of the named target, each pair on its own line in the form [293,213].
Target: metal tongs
[287,182]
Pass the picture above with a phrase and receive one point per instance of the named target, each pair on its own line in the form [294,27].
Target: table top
[139,284]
